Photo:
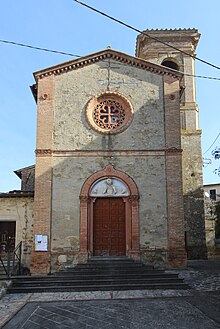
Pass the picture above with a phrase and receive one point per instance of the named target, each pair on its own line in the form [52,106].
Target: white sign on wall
[41,242]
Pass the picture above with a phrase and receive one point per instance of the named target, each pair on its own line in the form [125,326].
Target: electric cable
[38,48]
[212,144]
[78,56]
[143,32]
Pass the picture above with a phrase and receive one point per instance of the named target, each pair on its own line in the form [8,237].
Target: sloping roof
[18,172]
[17,194]
[213,184]
[106,55]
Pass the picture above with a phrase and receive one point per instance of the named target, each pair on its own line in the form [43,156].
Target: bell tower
[153,46]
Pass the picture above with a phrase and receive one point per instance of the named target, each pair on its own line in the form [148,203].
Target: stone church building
[118,157]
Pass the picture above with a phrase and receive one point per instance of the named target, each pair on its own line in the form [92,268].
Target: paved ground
[197,308]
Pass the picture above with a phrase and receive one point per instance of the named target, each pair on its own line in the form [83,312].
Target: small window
[171,64]
[212,194]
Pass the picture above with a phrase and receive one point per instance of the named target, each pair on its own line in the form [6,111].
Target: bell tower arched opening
[169,62]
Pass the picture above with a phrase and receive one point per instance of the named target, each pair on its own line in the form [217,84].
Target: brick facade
[71,156]
[40,261]
[176,227]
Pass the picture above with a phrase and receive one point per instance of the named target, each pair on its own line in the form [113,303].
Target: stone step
[107,271]
[96,281]
[69,276]
[109,287]
[109,258]
[108,264]
[98,267]
[115,262]
[96,274]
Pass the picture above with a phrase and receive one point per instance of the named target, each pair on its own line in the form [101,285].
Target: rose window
[109,113]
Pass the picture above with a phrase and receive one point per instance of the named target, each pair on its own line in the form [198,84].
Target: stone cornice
[175,36]
[107,54]
[43,152]
[172,30]
[101,153]
[191,132]
[173,150]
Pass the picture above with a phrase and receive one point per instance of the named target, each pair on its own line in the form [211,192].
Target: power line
[78,56]
[212,144]
[38,48]
[200,76]
[143,32]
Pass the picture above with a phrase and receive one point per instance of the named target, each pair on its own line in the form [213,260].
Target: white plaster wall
[20,210]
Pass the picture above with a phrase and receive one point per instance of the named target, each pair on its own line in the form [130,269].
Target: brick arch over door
[131,210]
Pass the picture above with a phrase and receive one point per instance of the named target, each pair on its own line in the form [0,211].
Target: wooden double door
[109,238]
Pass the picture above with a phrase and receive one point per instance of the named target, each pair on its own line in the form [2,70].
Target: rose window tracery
[109,113]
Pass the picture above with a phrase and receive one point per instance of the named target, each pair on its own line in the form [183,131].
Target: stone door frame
[131,213]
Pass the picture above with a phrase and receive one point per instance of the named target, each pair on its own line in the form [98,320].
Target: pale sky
[69,27]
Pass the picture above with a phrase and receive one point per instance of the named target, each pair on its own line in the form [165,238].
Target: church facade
[118,157]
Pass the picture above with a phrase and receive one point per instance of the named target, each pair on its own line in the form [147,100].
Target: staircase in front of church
[100,274]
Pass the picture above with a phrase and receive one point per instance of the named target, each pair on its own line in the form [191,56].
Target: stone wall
[146,132]
[74,89]
[213,248]
[147,172]
[69,151]
[193,195]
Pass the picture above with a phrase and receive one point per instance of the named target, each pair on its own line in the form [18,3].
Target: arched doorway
[109,215]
